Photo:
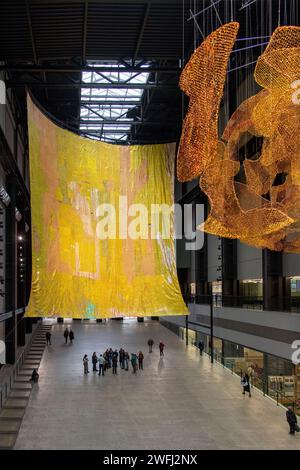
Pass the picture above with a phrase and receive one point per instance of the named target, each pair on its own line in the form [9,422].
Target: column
[272,280]
[229,272]
[21,328]
[10,285]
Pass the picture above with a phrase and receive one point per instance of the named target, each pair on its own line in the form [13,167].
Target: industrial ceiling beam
[120,85]
[109,2]
[85,20]
[109,122]
[141,33]
[85,68]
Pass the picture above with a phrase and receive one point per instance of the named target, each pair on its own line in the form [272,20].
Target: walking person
[94,362]
[201,347]
[86,364]
[141,360]
[101,361]
[292,420]
[150,344]
[48,338]
[66,335]
[115,363]
[71,336]
[134,362]
[245,382]
[161,348]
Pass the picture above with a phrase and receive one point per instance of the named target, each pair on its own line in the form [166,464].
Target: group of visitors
[110,359]
[68,334]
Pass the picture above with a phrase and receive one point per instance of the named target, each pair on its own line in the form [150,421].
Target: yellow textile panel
[257,201]
[96,252]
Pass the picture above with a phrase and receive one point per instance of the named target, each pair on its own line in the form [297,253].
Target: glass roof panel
[116,112]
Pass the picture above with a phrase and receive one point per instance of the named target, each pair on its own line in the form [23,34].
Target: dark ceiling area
[50,47]
[46,45]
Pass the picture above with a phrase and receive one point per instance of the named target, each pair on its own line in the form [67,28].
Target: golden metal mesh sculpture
[253,208]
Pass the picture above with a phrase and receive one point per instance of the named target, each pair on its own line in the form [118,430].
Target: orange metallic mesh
[203,81]
[245,202]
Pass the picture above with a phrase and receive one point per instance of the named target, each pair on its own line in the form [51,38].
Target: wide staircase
[14,407]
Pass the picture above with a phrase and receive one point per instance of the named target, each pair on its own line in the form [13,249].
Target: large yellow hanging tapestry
[100,247]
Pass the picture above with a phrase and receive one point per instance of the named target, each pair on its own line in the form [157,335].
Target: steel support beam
[96,86]
[86,68]
[141,33]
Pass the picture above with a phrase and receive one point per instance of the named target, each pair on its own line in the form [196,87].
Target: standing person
[245,382]
[71,336]
[292,420]
[105,357]
[48,337]
[121,358]
[110,355]
[161,348]
[201,347]
[94,361]
[126,360]
[66,335]
[101,361]
[114,363]
[134,362]
[141,360]
[150,344]
[86,364]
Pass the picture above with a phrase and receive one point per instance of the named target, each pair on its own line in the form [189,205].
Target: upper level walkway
[178,402]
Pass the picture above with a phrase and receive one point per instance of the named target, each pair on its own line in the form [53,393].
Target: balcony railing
[277,304]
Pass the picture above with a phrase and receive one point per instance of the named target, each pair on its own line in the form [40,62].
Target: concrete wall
[249,262]
[291,265]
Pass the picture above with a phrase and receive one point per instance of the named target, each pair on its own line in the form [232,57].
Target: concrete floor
[179,402]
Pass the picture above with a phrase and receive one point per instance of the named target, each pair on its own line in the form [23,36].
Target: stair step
[23,373]
[32,365]
[12,413]
[15,403]
[23,379]
[21,386]
[9,425]
[19,394]
[7,440]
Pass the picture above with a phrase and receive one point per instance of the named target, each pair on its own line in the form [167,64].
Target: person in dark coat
[201,347]
[150,344]
[245,382]
[66,335]
[121,358]
[34,376]
[48,337]
[291,419]
[114,363]
[141,360]
[94,362]
[71,336]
